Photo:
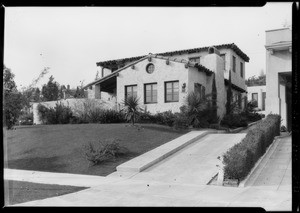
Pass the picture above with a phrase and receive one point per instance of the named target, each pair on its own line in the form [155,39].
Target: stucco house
[279,74]
[163,80]
[257,94]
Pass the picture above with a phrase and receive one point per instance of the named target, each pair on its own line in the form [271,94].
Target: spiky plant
[131,108]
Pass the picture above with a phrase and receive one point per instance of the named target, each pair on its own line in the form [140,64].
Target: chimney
[213,50]
[68,86]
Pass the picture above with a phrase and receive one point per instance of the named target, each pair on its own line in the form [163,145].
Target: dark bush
[111,116]
[181,121]
[234,121]
[103,150]
[26,119]
[60,114]
[239,160]
[164,118]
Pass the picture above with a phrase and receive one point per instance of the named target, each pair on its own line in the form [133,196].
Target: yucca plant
[131,108]
[199,109]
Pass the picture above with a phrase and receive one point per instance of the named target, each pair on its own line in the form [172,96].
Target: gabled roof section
[170,53]
[187,63]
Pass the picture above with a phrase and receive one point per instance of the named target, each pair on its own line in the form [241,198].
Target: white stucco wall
[277,62]
[259,90]
[235,76]
[216,64]
[163,72]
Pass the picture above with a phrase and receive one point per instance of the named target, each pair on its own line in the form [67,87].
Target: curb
[158,154]
[265,157]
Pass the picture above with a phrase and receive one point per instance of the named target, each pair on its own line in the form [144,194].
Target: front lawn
[20,191]
[58,148]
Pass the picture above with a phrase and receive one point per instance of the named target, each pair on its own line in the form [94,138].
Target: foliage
[26,119]
[214,97]
[50,90]
[90,111]
[60,114]
[102,151]
[111,116]
[250,114]
[234,121]
[256,81]
[239,160]
[283,129]
[181,121]
[199,111]
[229,96]
[13,100]
[131,108]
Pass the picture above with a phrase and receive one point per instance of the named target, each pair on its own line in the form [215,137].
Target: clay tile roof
[230,46]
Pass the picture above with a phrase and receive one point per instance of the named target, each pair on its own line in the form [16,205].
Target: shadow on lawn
[37,164]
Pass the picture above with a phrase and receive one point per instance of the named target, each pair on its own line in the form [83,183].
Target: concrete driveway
[194,164]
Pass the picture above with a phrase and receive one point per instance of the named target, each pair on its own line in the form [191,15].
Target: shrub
[233,121]
[146,117]
[103,150]
[181,121]
[26,119]
[60,114]
[111,116]
[239,159]
[283,128]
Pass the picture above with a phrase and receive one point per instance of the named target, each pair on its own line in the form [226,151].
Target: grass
[58,148]
[20,192]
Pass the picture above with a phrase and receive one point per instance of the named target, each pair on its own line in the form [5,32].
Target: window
[198,88]
[233,63]
[172,91]
[195,59]
[223,56]
[242,70]
[255,99]
[130,91]
[150,91]
[150,68]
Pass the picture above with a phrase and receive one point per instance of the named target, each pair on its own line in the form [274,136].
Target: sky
[70,40]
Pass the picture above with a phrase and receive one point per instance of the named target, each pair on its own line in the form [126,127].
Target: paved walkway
[276,171]
[158,189]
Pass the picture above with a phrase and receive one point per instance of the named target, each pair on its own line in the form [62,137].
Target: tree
[13,100]
[214,96]
[229,95]
[50,90]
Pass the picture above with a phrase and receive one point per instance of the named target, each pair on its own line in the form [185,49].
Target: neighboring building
[162,81]
[279,73]
[257,94]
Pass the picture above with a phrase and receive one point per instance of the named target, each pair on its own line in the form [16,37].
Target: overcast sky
[71,40]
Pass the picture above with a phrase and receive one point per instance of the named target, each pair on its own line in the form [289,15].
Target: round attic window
[150,68]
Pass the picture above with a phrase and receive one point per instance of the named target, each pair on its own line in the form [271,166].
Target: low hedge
[239,160]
